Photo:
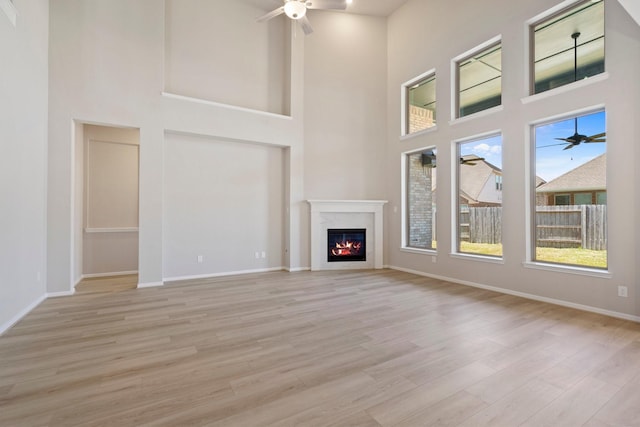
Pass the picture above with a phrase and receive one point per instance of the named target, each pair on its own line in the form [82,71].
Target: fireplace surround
[361,215]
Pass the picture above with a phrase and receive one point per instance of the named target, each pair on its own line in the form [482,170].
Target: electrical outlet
[200,259]
[264,254]
[622,291]
[257,255]
[433,259]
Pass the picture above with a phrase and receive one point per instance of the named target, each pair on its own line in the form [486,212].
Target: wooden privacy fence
[576,226]
[582,226]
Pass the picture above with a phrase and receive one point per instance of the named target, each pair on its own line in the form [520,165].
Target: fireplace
[346,244]
[346,215]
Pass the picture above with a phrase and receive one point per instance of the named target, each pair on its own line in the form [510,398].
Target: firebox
[347,244]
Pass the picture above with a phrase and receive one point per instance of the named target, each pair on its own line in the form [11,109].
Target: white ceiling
[361,7]
[375,7]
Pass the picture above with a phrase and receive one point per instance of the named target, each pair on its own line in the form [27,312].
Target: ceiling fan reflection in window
[297,10]
[429,159]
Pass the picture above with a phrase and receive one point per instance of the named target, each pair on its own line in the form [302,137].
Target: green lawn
[581,257]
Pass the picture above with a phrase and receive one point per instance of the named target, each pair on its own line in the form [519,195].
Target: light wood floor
[317,349]
[108,284]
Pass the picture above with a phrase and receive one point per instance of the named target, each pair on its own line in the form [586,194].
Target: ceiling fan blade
[597,136]
[306,25]
[327,4]
[272,14]
[569,146]
[551,145]
[595,140]
[569,140]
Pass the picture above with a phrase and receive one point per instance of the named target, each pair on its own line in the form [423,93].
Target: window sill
[431,252]
[415,134]
[10,10]
[478,115]
[566,88]
[583,271]
[472,257]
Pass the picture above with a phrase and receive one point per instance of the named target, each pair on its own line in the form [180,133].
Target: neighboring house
[480,185]
[584,185]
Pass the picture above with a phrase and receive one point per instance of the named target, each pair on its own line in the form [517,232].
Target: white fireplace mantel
[327,214]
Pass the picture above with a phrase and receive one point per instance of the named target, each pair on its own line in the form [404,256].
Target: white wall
[108,69]
[345,107]
[223,201]
[215,50]
[425,35]
[23,140]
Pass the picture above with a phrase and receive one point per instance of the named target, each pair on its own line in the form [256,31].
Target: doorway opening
[106,200]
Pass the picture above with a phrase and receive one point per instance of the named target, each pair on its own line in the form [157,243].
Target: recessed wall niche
[251,72]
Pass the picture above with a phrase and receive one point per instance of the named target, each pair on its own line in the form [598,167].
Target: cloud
[486,149]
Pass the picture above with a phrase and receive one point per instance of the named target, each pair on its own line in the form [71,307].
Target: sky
[551,160]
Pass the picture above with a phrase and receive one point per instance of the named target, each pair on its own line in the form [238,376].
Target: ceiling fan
[577,139]
[297,10]
[429,159]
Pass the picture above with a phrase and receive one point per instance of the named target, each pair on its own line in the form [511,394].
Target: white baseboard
[227,273]
[60,294]
[113,274]
[554,301]
[150,285]
[15,319]
[296,269]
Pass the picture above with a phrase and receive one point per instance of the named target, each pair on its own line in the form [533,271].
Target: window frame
[455,198]
[455,78]
[405,208]
[404,97]
[548,15]
[531,238]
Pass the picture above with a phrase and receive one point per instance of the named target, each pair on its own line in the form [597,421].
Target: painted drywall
[223,203]
[215,50]
[345,107]
[23,138]
[110,214]
[108,70]
[434,29]
[633,7]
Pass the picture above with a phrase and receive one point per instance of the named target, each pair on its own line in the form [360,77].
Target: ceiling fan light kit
[295,9]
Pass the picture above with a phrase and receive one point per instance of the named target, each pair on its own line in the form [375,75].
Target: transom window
[479,80]
[420,103]
[568,46]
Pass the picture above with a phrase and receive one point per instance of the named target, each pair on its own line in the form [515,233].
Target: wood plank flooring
[355,348]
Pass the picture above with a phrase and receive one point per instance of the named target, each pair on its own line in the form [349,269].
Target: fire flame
[346,248]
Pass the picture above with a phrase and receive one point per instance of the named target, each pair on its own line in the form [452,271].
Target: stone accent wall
[420,198]
[419,118]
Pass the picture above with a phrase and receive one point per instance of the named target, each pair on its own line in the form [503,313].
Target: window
[479,201]
[420,103]
[420,206]
[479,80]
[582,199]
[568,46]
[570,158]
